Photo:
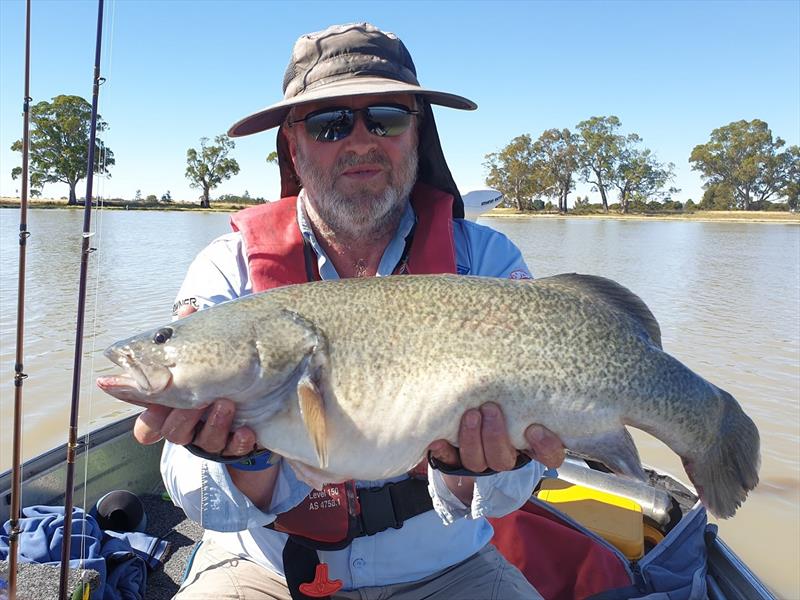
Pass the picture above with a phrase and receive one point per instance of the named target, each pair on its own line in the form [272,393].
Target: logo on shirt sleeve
[519,274]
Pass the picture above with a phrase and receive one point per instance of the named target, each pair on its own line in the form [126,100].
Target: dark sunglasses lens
[330,125]
[387,121]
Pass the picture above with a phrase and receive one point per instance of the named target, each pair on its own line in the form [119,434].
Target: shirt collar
[391,254]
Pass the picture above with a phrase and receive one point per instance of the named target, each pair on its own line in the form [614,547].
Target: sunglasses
[334,124]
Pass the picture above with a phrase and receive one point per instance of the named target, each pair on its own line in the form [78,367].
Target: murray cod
[353,379]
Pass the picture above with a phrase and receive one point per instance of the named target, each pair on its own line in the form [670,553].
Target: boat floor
[168,522]
[164,520]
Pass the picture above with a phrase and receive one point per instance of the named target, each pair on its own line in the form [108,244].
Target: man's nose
[361,139]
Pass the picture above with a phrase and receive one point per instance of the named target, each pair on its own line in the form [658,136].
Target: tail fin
[728,470]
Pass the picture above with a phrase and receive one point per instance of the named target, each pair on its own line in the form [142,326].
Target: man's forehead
[356,102]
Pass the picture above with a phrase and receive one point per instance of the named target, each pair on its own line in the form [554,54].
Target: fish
[355,378]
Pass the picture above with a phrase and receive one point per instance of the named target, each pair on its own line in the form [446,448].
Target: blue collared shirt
[425,544]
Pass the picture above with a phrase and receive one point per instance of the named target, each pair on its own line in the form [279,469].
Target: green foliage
[272,157]
[640,173]
[243,199]
[599,150]
[791,190]
[511,172]
[718,197]
[167,197]
[744,157]
[211,166]
[59,144]
[151,198]
[555,163]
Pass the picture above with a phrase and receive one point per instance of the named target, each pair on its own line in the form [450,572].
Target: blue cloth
[121,559]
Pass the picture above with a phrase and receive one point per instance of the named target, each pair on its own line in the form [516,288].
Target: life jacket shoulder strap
[273,243]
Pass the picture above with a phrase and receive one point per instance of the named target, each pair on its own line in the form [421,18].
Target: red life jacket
[277,256]
[275,250]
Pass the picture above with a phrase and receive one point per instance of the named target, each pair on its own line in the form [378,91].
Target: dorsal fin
[612,293]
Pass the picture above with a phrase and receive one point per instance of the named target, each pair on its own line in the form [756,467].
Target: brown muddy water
[727,296]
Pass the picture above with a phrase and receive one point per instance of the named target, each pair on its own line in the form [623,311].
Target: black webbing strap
[392,504]
[299,566]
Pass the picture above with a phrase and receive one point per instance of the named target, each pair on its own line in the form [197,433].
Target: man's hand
[483,443]
[178,425]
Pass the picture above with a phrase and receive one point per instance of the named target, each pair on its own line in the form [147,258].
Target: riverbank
[118,204]
[755,216]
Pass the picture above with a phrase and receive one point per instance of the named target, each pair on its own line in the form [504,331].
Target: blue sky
[180,70]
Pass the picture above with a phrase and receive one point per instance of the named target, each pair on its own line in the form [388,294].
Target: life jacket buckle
[377,509]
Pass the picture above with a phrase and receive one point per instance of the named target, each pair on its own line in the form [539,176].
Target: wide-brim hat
[357,59]
[345,60]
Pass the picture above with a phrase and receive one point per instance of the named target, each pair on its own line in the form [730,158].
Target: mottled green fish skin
[398,360]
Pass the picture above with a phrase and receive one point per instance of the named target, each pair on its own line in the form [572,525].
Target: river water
[727,296]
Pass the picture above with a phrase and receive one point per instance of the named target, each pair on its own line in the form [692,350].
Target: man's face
[358,185]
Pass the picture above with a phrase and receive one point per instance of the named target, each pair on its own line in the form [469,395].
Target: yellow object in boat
[616,519]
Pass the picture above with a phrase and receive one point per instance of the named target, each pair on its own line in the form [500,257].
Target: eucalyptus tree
[512,172]
[640,174]
[210,166]
[599,150]
[744,157]
[556,162]
[59,144]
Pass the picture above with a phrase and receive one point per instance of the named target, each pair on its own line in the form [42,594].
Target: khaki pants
[218,574]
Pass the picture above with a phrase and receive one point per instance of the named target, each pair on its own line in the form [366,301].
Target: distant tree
[791,190]
[718,196]
[639,172]
[138,196]
[511,172]
[59,144]
[556,161]
[745,158]
[211,166]
[166,197]
[599,152]
[151,198]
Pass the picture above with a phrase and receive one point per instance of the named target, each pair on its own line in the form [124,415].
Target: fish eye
[162,335]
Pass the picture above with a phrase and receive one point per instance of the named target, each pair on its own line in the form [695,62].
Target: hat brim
[274,115]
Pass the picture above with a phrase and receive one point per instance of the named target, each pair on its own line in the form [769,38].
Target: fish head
[186,364]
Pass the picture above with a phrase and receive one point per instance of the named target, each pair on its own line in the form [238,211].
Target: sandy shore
[501,213]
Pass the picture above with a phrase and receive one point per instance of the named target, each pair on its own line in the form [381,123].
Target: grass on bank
[696,215]
[222,206]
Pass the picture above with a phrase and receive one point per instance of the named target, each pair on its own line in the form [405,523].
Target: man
[365,192]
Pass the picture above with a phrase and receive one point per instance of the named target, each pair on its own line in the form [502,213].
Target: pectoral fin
[615,449]
[312,409]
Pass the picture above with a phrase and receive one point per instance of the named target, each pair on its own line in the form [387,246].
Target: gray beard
[363,213]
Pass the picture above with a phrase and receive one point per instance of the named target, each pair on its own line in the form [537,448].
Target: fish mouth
[139,382]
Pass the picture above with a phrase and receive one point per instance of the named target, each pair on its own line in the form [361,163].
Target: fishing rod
[72,442]
[19,375]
